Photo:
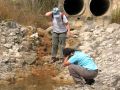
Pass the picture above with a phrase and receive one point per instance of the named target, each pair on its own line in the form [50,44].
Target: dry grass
[116,16]
[26,12]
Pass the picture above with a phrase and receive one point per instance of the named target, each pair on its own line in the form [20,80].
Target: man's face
[56,11]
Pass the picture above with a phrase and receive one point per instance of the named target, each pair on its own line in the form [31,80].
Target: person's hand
[66,62]
[48,13]
[68,34]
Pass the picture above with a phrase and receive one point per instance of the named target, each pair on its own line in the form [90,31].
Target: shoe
[89,81]
[54,59]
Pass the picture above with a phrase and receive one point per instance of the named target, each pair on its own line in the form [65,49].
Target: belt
[60,33]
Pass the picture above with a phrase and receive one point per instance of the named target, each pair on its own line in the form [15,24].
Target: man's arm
[68,28]
[67,25]
[48,13]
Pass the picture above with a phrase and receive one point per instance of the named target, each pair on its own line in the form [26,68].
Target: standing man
[81,66]
[60,31]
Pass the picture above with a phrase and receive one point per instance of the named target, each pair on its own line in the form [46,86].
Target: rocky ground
[103,44]
[22,49]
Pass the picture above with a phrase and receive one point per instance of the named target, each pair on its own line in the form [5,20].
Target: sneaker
[90,81]
[53,60]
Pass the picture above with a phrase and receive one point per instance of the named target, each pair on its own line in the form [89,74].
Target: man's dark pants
[78,73]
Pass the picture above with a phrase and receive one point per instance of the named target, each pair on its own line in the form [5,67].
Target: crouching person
[81,67]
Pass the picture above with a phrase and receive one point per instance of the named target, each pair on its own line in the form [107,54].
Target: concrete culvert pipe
[99,7]
[73,7]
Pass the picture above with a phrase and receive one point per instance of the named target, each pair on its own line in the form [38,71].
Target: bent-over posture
[80,65]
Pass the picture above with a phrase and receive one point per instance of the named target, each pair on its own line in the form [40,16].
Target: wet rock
[29,58]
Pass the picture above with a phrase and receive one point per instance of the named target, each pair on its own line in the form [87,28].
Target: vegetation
[26,12]
[116,16]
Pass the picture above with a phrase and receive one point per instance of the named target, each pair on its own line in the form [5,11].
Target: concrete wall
[116,4]
[86,12]
[87,5]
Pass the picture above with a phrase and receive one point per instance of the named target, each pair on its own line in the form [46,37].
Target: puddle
[30,83]
[40,79]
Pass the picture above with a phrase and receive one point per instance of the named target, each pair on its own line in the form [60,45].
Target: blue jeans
[58,42]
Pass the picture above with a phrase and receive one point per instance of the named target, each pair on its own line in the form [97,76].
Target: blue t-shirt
[82,59]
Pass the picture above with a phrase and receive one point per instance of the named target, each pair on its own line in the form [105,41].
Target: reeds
[116,16]
[26,12]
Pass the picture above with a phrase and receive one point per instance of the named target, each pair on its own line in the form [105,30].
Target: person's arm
[67,25]
[48,13]
[68,29]
[66,62]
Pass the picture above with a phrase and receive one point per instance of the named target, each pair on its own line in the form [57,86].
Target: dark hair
[67,51]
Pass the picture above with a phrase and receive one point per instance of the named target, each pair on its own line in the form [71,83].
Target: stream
[30,83]
[39,79]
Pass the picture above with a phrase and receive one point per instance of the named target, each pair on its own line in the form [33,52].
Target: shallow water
[30,83]
[39,79]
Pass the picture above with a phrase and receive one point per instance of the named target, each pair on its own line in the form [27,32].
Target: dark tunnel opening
[99,7]
[73,7]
